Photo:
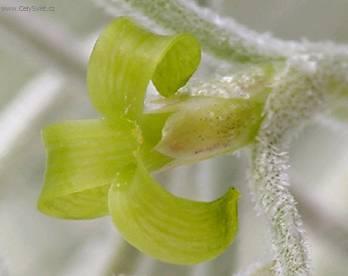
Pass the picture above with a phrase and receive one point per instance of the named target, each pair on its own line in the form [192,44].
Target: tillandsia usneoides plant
[104,166]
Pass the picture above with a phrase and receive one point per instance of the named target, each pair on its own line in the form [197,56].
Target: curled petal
[83,158]
[124,60]
[167,227]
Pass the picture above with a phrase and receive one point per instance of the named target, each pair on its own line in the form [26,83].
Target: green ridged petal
[167,227]
[124,60]
[83,159]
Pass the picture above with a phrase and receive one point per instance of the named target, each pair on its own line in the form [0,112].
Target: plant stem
[235,44]
[222,37]
[292,102]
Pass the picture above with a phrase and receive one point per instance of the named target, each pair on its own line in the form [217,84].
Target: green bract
[100,167]
[207,126]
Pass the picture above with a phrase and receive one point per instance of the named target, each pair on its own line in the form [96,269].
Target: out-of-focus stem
[233,44]
[322,223]
[50,43]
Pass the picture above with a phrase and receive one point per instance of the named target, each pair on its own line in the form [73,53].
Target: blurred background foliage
[43,58]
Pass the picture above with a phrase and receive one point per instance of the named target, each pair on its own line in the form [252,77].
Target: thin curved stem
[222,37]
[292,102]
[228,40]
[235,44]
